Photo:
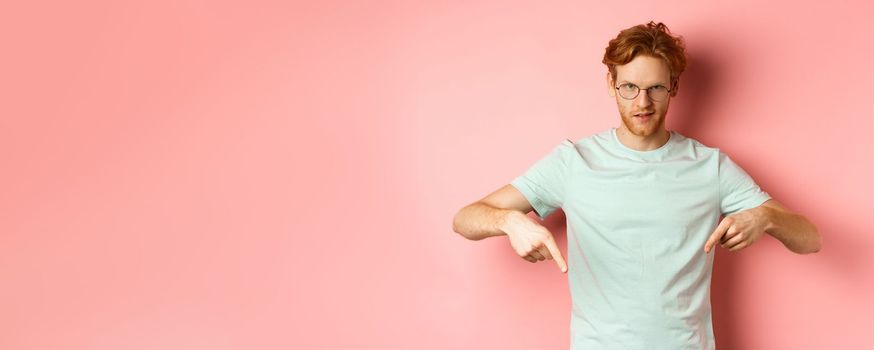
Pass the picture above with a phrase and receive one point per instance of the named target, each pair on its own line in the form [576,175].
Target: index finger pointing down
[556,254]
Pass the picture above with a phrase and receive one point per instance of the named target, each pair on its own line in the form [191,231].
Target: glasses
[629,91]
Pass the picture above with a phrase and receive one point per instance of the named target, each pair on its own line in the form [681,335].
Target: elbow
[457,225]
[815,250]
[808,251]
[818,243]
[815,245]
[805,251]
[462,225]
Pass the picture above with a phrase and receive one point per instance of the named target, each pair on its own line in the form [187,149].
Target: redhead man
[643,207]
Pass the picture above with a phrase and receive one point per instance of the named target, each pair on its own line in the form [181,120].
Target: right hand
[532,241]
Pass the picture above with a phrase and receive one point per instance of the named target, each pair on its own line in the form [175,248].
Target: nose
[642,100]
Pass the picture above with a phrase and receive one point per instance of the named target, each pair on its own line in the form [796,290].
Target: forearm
[479,220]
[793,230]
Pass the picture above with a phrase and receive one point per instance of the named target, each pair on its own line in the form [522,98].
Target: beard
[653,125]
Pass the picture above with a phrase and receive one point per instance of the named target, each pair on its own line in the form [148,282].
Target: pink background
[211,175]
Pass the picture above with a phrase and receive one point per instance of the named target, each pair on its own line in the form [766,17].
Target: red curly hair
[651,39]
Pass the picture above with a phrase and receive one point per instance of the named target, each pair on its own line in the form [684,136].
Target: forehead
[644,70]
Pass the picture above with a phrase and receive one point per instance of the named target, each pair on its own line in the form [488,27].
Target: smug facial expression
[642,116]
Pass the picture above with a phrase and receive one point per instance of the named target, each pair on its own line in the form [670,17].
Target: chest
[639,196]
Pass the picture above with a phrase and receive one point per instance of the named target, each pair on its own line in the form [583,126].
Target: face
[643,71]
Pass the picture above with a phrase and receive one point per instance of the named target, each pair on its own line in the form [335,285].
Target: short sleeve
[737,190]
[543,184]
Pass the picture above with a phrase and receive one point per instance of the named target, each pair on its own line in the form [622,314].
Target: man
[643,206]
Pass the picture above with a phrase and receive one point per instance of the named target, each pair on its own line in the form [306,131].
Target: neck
[642,143]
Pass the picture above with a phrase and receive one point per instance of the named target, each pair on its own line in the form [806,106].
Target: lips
[644,117]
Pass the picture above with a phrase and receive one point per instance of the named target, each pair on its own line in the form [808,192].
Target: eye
[628,86]
[658,88]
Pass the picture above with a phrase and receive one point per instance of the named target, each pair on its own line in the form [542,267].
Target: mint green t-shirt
[637,222]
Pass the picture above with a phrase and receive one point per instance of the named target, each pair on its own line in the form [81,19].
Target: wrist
[506,218]
[767,216]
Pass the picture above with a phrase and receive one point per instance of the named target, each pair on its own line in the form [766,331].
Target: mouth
[644,117]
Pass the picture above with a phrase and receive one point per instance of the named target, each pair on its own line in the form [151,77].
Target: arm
[793,230]
[742,229]
[486,217]
[504,212]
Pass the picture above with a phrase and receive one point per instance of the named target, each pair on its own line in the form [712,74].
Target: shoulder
[583,147]
[690,145]
[692,142]
[590,142]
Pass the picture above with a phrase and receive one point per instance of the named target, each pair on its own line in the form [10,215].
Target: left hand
[739,230]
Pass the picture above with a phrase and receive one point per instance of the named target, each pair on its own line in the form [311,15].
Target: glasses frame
[648,93]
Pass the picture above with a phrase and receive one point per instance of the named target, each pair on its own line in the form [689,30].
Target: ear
[610,89]
[675,88]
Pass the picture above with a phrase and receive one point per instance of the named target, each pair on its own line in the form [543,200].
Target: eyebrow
[626,81]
